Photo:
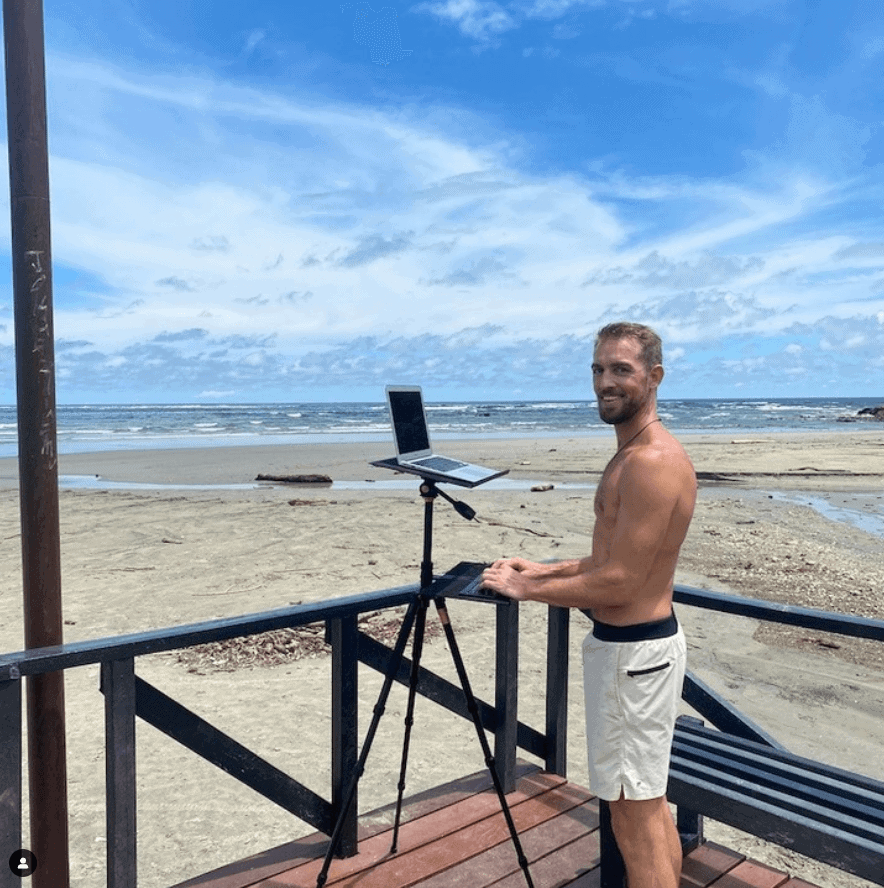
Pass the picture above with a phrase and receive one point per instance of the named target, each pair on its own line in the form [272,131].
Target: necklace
[637,434]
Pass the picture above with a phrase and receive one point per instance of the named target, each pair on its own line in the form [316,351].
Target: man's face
[622,384]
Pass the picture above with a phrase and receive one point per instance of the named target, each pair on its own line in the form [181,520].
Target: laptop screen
[409,423]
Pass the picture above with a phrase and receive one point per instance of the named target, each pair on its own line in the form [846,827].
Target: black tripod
[416,618]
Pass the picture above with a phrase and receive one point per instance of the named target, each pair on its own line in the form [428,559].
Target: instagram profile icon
[23,863]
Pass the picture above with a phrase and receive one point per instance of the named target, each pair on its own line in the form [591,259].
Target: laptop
[414,452]
[464,581]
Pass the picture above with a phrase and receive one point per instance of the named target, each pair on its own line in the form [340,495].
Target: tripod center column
[429,493]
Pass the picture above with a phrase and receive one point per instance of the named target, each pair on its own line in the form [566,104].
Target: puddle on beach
[96,482]
[864,511]
[496,484]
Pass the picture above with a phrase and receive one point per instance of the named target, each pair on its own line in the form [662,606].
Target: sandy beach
[787,517]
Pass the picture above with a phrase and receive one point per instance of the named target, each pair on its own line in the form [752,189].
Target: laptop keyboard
[464,581]
[439,463]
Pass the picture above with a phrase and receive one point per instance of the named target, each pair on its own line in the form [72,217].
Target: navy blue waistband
[637,632]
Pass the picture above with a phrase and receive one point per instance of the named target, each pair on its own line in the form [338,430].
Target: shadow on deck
[455,836]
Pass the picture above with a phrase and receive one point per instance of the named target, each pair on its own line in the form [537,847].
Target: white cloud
[254,38]
[555,8]
[485,19]
[479,19]
[872,48]
[419,208]
[821,138]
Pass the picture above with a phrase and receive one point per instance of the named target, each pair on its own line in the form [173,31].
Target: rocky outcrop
[873,413]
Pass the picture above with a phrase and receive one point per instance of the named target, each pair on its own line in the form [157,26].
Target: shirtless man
[634,659]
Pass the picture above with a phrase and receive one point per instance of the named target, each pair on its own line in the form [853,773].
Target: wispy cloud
[479,19]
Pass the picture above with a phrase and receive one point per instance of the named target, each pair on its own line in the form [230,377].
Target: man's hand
[510,577]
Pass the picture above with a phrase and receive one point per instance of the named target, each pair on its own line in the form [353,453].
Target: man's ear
[657,374]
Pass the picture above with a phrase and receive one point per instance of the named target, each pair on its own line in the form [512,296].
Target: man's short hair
[650,342]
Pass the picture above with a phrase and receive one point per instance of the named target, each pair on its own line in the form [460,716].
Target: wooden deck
[455,836]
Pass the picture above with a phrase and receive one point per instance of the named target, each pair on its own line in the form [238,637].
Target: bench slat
[836,797]
[785,801]
[829,844]
[732,744]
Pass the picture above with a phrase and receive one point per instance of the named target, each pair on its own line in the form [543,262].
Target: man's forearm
[577,584]
[581,584]
[570,568]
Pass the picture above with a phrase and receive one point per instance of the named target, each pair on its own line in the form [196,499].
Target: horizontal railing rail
[83,653]
[138,644]
[720,712]
[776,612]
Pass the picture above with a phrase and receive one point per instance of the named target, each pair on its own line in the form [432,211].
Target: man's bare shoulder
[662,457]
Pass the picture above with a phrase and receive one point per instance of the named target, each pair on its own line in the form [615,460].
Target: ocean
[84,428]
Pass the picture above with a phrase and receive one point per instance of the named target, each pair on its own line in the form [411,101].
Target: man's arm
[537,570]
[648,494]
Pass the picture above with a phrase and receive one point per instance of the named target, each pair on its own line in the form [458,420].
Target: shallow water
[864,511]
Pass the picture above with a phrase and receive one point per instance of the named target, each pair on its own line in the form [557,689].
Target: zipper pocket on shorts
[632,673]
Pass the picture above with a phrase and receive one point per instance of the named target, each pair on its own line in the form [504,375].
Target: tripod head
[430,490]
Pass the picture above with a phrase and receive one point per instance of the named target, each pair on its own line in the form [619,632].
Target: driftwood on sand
[296,479]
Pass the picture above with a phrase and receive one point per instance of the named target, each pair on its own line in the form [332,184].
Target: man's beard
[621,412]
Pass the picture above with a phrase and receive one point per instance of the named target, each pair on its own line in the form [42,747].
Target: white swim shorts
[632,683]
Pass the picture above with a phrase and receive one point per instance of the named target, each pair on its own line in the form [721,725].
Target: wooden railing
[127,696]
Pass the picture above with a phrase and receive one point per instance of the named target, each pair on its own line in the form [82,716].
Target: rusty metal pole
[38,455]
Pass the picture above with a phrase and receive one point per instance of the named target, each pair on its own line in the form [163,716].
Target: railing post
[506,693]
[118,686]
[557,641]
[345,702]
[10,777]
[612,869]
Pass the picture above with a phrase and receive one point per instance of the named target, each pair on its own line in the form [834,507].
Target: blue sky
[304,201]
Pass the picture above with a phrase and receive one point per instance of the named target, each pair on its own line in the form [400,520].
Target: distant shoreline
[100,428]
[755,457]
[195,442]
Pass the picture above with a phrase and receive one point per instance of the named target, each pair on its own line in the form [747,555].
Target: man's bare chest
[606,495]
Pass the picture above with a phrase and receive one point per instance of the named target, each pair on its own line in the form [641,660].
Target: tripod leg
[416,651]
[379,708]
[483,740]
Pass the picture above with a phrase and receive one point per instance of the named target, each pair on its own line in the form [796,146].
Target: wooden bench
[822,812]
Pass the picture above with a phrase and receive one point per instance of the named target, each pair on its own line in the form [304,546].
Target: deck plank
[562,867]
[441,839]
[751,874]
[251,870]
[706,864]
[456,835]
[550,841]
